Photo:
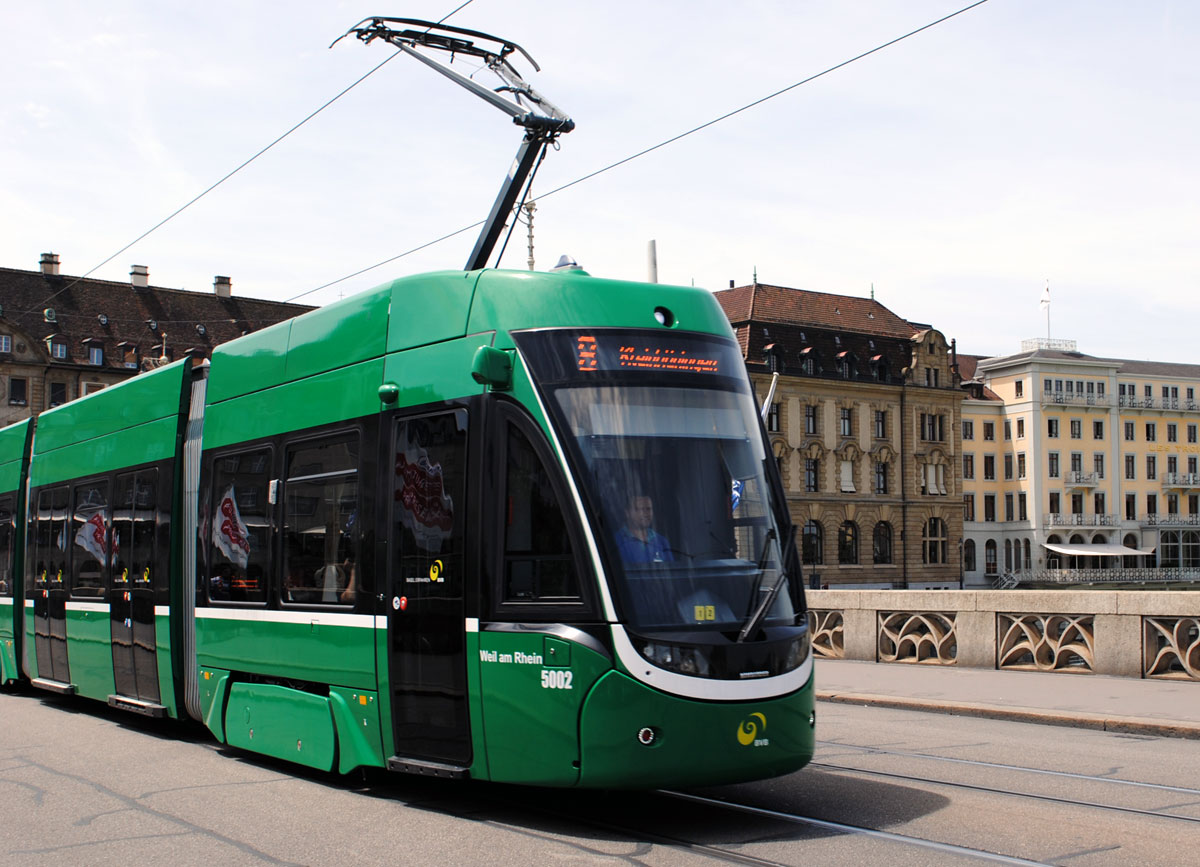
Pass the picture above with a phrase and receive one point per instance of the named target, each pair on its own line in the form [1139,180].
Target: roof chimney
[139,277]
[50,264]
[222,286]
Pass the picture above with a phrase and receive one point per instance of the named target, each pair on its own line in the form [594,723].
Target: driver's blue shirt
[656,548]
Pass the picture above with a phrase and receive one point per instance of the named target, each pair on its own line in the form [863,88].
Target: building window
[812,544]
[5,343]
[989,430]
[968,429]
[1020,387]
[1076,463]
[847,422]
[1172,432]
[1151,504]
[934,547]
[18,391]
[810,419]
[933,428]
[1151,432]
[1055,503]
[1008,507]
[1008,467]
[989,468]
[1020,428]
[969,555]
[1052,428]
[96,355]
[848,543]
[881,468]
[968,466]
[989,557]
[1129,432]
[773,418]
[58,393]
[1099,503]
[1052,464]
[989,507]
[1131,507]
[847,477]
[1076,429]
[1191,433]
[968,507]
[1130,466]
[1172,465]
[1098,464]
[1151,468]
[1020,465]
[880,424]
[1007,429]
[812,474]
[1022,507]
[58,350]
[1097,430]
[882,544]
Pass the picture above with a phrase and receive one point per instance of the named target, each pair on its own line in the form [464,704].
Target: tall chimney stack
[222,286]
[50,264]
[139,277]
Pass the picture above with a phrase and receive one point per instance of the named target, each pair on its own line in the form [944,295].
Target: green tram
[510,526]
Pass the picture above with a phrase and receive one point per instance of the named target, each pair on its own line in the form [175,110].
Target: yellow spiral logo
[435,571]
[748,729]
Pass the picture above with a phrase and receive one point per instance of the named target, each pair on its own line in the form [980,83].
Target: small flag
[1045,303]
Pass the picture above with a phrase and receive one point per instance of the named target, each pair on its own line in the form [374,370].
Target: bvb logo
[749,728]
[435,571]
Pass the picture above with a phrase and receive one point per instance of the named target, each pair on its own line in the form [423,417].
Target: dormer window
[6,343]
[96,355]
[129,354]
[57,346]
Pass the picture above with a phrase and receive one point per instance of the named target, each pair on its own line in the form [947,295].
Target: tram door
[49,564]
[425,580]
[131,590]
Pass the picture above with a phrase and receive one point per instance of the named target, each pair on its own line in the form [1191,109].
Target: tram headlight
[673,657]
[798,652]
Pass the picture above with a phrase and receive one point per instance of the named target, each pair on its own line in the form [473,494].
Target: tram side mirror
[492,367]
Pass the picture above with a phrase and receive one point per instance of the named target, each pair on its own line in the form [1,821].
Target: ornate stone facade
[865,424]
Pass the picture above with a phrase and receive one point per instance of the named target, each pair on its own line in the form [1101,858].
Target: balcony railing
[1128,400]
[1181,480]
[1139,575]
[1057,519]
[1172,520]
[1080,479]
[1071,398]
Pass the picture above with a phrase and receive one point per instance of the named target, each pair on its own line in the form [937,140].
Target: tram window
[50,538]
[538,563]
[7,534]
[428,503]
[241,527]
[89,538]
[320,522]
[134,521]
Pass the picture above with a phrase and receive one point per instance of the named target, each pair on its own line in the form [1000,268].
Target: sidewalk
[1118,704]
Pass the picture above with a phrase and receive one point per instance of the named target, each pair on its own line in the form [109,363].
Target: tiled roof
[760,302]
[80,304]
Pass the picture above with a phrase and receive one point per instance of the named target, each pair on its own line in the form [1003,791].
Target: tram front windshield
[672,457]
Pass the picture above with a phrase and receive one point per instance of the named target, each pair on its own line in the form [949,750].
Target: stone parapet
[1153,634]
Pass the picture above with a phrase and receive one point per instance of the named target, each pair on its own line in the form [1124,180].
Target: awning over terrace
[1104,550]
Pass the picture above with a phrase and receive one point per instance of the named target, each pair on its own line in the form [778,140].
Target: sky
[955,174]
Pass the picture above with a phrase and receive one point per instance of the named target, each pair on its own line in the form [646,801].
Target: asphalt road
[80,784]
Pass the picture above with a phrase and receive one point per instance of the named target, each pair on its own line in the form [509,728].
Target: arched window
[933,549]
[883,543]
[969,555]
[1190,554]
[1028,557]
[1073,560]
[811,543]
[848,543]
[1053,558]
[1008,555]
[1130,561]
[989,557]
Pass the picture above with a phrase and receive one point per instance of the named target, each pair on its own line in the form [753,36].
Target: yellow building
[1079,469]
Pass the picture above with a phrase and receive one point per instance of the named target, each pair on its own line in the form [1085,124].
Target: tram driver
[637,540]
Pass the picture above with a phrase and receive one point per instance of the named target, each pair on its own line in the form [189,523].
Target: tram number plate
[557,679]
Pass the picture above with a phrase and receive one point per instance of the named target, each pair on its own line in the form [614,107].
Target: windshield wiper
[755,620]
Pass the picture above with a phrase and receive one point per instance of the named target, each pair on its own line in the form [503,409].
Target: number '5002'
[556,679]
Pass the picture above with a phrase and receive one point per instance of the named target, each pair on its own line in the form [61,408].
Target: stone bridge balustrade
[1153,634]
